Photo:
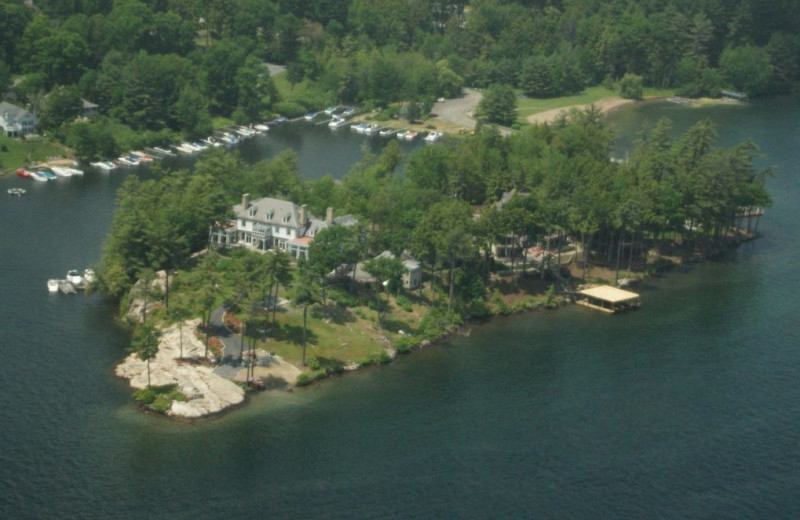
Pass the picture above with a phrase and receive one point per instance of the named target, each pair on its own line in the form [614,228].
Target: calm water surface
[686,409]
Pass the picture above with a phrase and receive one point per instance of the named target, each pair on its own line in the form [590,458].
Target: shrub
[630,86]
[404,303]
[550,300]
[314,364]
[303,380]
[343,298]
[289,109]
[145,395]
[406,344]
[500,304]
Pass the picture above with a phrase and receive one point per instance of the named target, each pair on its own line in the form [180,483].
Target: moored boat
[104,165]
[386,132]
[17,191]
[74,277]
[360,128]
[89,275]
[337,122]
[433,137]
[22,172]
[163,151]
[311,116]
[53,284]
[61,171]
[39,176]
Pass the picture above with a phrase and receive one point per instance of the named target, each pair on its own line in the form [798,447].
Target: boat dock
[608,299]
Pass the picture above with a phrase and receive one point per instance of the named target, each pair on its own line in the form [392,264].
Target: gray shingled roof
[271,211]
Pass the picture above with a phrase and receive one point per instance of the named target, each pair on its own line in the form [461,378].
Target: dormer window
[270,214]
[286,217]
[252,211]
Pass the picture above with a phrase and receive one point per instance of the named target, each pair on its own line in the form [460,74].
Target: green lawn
[529,106]
[15,153]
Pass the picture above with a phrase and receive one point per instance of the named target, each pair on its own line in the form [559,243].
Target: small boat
[17,191]
[210,141]
[261,128]
[39,176]
[89,275]
[330,110]
[348,112]
[185,148]
[337,122]
[104,165]
[53,285]
[130,159]
[433,137]
[360,128]
[163,151]
[47,173]
[244,131]
[143,157]
[371,129]
[311,116]
[229,139]
[73,171]
[408,136]
[22,172]
[386,132]
[74,277]
[200,145]
[61,172]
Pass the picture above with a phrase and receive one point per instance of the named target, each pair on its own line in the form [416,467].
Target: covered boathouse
[607,299]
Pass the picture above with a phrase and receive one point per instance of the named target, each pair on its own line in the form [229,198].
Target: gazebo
[608,299]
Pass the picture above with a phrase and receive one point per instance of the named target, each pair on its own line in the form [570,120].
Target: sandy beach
[605,105]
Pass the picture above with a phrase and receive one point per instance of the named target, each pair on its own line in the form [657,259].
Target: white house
[16,121]
[412,271]
[269,223]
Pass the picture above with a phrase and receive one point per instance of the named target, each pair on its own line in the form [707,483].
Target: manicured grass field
[15,153]
[528,106]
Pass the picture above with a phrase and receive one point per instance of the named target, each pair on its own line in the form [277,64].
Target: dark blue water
[686,409]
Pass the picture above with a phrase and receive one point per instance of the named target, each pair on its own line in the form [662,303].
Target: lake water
[689,408]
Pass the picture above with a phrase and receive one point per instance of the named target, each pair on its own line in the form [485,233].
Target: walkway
[231,346]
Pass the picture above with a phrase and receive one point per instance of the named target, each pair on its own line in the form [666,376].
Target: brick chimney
[329,215]
[245,200]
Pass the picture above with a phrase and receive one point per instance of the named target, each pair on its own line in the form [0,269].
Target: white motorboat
[261,128]
[39,176]
[163,151]
[386,132]
[433,137]
[89,275]
[17,191]
[74,277]
[185,148]
[61,172]
[52,285]
[337,123]
[104,165]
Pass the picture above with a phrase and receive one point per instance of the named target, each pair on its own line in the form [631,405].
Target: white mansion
[269,223]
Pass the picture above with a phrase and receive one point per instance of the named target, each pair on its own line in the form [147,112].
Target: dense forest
[164,67]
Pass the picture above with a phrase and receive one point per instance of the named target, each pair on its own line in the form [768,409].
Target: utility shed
[608,299]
